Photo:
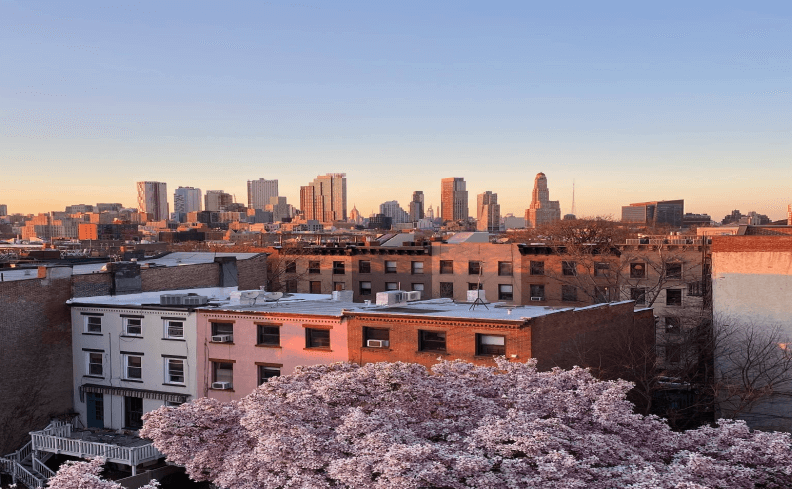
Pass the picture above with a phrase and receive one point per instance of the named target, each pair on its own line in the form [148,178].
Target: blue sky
[632,101]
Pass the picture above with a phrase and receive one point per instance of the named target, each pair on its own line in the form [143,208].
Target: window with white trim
[133,367]
[174,371]
[95,363]
[174,329]
[133,326]
[93,324]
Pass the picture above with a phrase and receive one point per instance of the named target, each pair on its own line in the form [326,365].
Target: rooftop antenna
[573,198]
[478,288]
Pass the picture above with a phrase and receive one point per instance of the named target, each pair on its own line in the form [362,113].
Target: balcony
[124,449]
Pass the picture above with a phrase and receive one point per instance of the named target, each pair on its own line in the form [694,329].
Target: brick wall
[183,277]
[252,272]
[722,244]
[91,285]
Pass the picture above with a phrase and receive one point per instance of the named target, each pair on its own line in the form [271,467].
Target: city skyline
[632,102]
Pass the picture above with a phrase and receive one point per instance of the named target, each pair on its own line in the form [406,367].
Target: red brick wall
[252,272]
[183,277]
[724,244]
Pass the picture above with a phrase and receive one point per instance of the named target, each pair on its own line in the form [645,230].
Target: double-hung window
[317,338]
[95,368]
[505,269]
[432,340]
[266,372]
[174,371]
[390,266]
[133,367]
[93,324]
[487,344]
[417,268]
[268,335]
[133,326]
[174,329]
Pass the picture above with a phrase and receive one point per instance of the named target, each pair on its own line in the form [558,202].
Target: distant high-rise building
[430,212]
[3,210]
[656,212]
[187,199]
[542,209]
[217,200]
[109,207]
[260,192]
[325,199]
[79,209]
[789,214]
[279,208]
[453,199]
[153,199]
[354,216]
[393,210]
[488,211]
[416,207]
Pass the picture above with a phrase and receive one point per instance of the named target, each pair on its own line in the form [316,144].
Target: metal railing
[57,441]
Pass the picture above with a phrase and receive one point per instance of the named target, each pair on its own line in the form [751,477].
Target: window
[446,266]
[638,294]
[365,288]
[672,325]
[696,289]
[537,292]
[447,290]
[673,297]
[133,367]
[475,286]
[133,412]
[419,287]
[431,340]
[601,294]
[601,269]
[291,286]
[173,404]
[474,267]
[317,338]
[364,266]
[487,344]
[673,353]
[505,292]
[174,371]
[223,372]
[390,267]
[377,334]
[391,286]
[222,329]
[673,270]
[95,364]
[417,268]
[338,268]
[133,326]
[569,293]
[537,267]
[569,268]
[267,335]
[316,287]
[637,270]
[266,372]
[339,286]
[291,267]
[93,324]
[174,329]
[313,267]
[505,269]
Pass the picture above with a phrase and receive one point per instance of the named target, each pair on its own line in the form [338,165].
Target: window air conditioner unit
[223,338]
[222,385]
[377,343]
[537,298]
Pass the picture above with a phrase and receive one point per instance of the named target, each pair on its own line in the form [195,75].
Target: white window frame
[127,366]
[88,324]
[88,363]
[127,322]
[168,378]
[167,326]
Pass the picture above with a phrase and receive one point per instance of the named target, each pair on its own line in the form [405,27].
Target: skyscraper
[416,208]
[393,210]
[3,210]
[187,199]
[453,199]
[542,209]
[488,212]
[217,200]
[260,192]
[153,199]
[325,199]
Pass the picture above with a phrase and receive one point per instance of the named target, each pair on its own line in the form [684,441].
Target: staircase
[26,466]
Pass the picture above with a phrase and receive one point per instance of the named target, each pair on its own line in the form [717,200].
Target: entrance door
[95,404]
[133,413]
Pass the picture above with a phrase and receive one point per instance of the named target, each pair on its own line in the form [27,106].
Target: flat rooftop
[175,259]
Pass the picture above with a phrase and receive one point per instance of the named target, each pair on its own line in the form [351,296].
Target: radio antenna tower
[573,199]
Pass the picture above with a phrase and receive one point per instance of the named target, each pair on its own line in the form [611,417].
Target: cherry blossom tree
[397,425]
[85,475]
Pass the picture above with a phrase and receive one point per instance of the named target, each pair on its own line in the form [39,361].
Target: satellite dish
[272,296]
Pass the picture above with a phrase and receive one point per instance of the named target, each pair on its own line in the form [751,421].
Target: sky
[631,101]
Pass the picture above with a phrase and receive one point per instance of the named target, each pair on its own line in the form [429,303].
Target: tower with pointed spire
[354,215]
[542,209]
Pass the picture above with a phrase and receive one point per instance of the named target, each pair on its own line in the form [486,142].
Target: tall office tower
[453,199]
[417,206]
[217,200]
[542,209]
[187,199]
[325,199]
[260,192]
[430,213]
[488,212]
[3,210]
[393,210]
[153,199]
[655,212]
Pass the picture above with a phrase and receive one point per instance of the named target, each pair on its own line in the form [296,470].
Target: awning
[129,392]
